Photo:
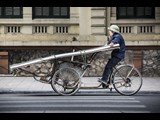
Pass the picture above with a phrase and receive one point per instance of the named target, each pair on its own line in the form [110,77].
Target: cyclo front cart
[66,77]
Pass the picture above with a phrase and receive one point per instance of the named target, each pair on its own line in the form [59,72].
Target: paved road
[90,103]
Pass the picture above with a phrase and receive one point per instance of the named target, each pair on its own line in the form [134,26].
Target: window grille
[126,29]
[40,29]
[13,29]
[146,29]
[61,29]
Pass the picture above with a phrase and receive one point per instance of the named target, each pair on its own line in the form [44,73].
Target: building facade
[30,32]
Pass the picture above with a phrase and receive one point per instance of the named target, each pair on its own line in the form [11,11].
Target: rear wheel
[66,81]
[127,80]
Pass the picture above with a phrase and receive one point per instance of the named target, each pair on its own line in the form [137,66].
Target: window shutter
[8,11]
[56,11]
[0,11]
[46,11]
[38,11]
[16,11]
[130,11]
[64,11]
[140,11]
[148,11]
[122,11]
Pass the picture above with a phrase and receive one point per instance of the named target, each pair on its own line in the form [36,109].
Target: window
[0,11]
[135,12]
[11,12]
[50,12]
[42,11]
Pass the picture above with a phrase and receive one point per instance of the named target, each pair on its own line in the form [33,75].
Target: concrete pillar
[74,13]
[157,13]
[2,29]
[157,29]
[51,30]
[26,29]
[27,17]
[85,23]
[27,13]
[135,29]
[108,17]
[113,13]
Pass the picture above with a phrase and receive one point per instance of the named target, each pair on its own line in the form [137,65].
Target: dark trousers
[109,68]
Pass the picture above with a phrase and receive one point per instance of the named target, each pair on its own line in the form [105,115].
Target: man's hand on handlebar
[111,44]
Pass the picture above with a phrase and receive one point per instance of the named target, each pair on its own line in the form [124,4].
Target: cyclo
[66,77]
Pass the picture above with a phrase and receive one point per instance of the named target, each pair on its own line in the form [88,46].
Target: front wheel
[127,80]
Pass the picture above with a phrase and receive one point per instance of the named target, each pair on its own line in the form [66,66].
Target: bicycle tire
[66,81]
[127,80]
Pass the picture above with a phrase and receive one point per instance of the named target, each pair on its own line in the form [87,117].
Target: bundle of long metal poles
[81,52]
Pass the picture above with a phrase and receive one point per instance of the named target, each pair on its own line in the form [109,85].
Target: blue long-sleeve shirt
[118,39]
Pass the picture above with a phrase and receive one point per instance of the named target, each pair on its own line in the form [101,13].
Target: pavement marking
[69,101]
[73,105]
[94,111]
[136,111]
[62,111]
[74,111]
[22,111]
[10,97]
[82,111]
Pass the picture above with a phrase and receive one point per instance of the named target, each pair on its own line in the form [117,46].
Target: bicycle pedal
[110,89]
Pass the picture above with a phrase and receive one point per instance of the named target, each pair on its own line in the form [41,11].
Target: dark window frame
[135,15]
[34,16]
[3,13]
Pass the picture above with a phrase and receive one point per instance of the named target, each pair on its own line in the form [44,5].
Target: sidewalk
[10,84]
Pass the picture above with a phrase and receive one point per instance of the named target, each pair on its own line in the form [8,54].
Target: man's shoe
[104,84]
[101,81]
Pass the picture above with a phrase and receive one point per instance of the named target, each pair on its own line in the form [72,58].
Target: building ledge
[68,40]
[142,39]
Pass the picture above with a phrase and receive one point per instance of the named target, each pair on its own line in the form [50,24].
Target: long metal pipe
[81,52]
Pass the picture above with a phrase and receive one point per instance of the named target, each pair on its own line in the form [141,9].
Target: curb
[79,92]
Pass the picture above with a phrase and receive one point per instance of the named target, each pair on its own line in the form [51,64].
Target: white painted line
[75,111]
[136,111]
[70,101]
[22,111]
[67,98]
[82,111]
[73,105]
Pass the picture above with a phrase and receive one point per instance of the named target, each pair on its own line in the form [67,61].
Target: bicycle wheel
[66,81]
[127,80]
